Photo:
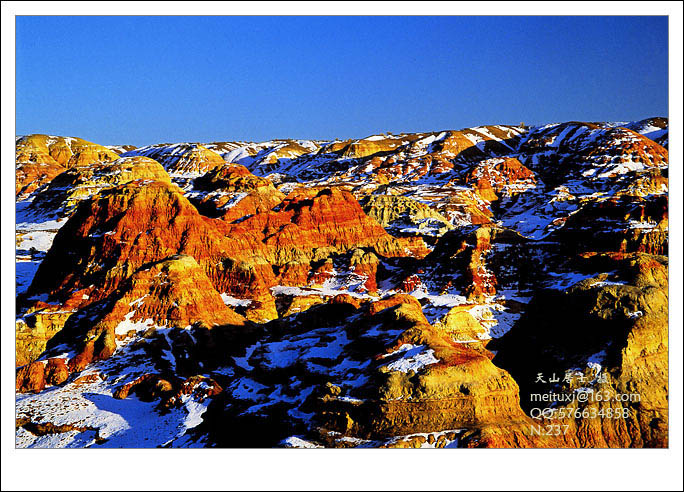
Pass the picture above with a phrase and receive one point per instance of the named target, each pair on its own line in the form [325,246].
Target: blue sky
[144,80]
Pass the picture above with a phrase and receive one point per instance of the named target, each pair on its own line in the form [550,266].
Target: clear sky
[144,80]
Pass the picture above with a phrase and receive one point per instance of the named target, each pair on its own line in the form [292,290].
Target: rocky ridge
[371,292]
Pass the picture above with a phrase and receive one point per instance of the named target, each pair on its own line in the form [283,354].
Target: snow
[38,240]
[234,302]
[560,138]
[595,363]
[35,233]
[441,300]
[302,443]
[167,354]
[127,423]
[283,290]
[534,220]
[247,389]
[426,444]
[635,224]
[127,325]
[622,168]
[604,283]
[138,302]
[25,271]
[349,399]
[404,348]
[242,361]
[503,321]
[234,200]
[284,353]
[236,155]
[413,358]
[353,440]
[195,410]
[298,442]
[566,280]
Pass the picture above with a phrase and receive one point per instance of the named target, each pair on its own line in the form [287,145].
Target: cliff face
[173,295]
[427,380]
[413,290]
[601,329]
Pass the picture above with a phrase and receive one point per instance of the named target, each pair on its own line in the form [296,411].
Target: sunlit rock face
[40,158]
[411,290]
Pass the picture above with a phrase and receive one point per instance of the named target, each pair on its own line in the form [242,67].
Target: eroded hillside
[413,290]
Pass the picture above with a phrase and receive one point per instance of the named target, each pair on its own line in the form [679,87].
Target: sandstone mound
[402,214]
[494,176]
[39,158]
[81,182]
[611,337]
[112,235]
[115,233]
[186,159]
[232,192]
[172,293]
[387,373]
[65,151]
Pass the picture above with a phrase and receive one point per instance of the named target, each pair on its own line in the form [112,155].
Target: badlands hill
[412,290]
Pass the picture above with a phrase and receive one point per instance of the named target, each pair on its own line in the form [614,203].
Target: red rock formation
[56,371]
[234,193]
[199,387]
[624,145]
[365,264]
[112,237]
[411,283]
[491,177]
[173,293]
[573,147]
[393,301]
[346,299]
[141,266]
[330,217]
[147,387]
[482,280]
[32,175]
[134,224]
[31,378]
[467,252]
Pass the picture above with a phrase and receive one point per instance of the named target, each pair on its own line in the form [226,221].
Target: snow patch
[413,358]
